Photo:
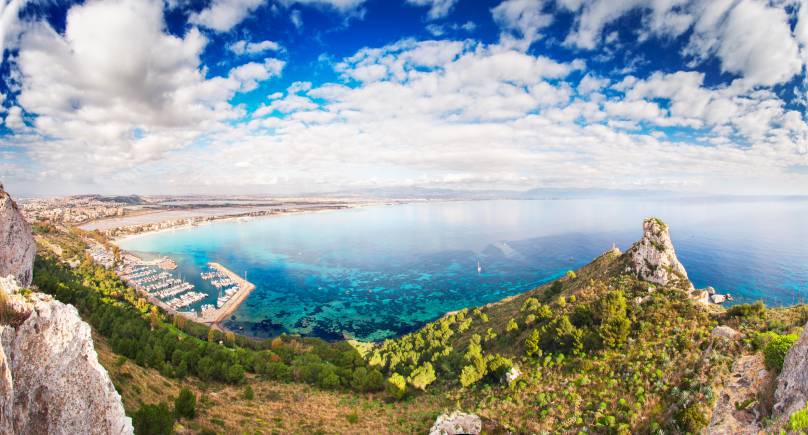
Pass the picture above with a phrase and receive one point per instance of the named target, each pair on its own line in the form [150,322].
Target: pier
[213,316]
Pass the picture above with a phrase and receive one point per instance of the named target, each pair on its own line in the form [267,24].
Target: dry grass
[276,407]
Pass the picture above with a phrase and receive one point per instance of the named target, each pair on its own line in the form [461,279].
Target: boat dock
[236,289]
[174,294]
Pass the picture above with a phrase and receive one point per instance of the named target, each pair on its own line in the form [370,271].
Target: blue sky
[291,96]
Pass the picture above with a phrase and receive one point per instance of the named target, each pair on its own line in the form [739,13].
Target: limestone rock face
[457,423]
[50,378]
[17,246]
[792,384]
[653,258]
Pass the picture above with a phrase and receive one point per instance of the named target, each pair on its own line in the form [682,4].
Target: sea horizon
[347,282]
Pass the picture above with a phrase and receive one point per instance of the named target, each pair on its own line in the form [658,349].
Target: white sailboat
[479,267]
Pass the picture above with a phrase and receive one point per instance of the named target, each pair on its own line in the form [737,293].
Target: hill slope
[602,349]
[620,345]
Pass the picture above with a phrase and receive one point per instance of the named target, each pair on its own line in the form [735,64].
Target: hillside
[622,345]
[598,350]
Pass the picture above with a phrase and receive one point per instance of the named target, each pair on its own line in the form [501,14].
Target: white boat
[479,268]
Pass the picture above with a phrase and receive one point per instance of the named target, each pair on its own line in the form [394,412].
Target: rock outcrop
[17,246]
[457,423]
[725,332]
[792,384]
[653,258]
[736,409]
[50,378]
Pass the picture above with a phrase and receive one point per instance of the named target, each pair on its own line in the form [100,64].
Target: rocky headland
[50,379]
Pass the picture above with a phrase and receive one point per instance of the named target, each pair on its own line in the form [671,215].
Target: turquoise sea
[376,272]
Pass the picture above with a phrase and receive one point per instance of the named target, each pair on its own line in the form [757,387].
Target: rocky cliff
[17,246]
[653,258]
[792,384]
[50,378]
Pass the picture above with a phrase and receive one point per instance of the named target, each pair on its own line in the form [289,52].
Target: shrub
[747,311]
[469,376]
[691,419]
[367,380]
[153,420]
[512,325]
[561,336]
[248,393]
[530,305]
[775,352]
[498,365]
[185,404]
[614,325]
[532,343]
[798,421]
[328,378]
[422,376]
[396,386]
[571,274]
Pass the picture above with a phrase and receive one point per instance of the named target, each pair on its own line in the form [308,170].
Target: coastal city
[72,209]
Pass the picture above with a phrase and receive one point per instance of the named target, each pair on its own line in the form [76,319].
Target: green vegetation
[185,404]
[589,359]
[798,421]
[596,352]
[614,325]
[692,419]
[776,349]
[248,393]
[396,386]
[153,420]
[179,348]
[422,376]
[747,311]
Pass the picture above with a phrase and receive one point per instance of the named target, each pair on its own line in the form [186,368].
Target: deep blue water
[377,272]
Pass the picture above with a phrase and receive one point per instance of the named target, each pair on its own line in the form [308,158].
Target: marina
[176,295]
[233,290]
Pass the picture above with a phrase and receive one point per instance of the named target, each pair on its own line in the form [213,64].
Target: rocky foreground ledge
[50,378]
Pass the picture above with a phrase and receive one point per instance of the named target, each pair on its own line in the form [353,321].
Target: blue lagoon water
[377,272]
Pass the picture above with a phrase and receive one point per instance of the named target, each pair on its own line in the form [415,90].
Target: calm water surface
[377,272]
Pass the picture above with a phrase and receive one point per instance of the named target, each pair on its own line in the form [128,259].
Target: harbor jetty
[241,288]
[177,296]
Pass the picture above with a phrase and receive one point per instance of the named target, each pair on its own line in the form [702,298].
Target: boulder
[792,384]
[725,332]
[457,423]
[513,374]
[718,299]
[653,258]
[700,296]
[50,378]
[17,248]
